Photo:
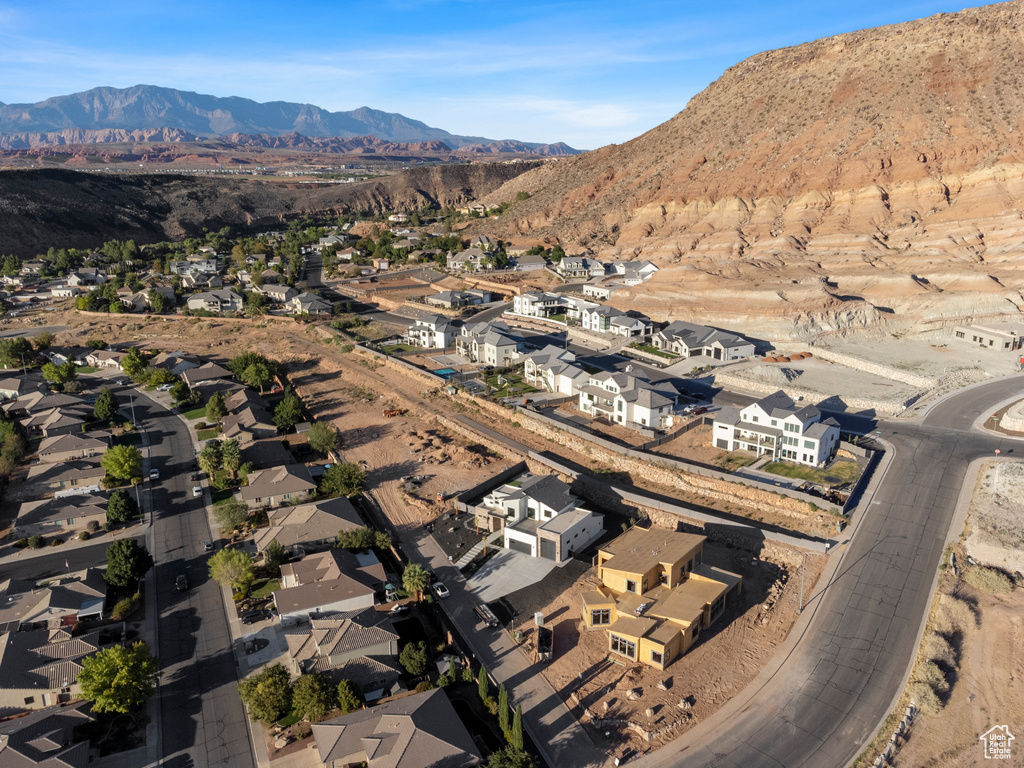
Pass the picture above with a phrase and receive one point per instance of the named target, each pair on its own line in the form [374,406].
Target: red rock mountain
[872,178]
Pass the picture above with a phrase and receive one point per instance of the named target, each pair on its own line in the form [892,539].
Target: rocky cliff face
[869,179]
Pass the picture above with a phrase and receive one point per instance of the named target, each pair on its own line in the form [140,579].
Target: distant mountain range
[147,113]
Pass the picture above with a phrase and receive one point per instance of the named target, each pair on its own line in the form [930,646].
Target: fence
[462,501]
[669,437]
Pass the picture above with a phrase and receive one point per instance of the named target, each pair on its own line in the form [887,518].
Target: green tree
[121,507]
[181,394]
[349,699]
[267,694]
[233,568]
[415,580]
[215,410]
[10,266]
[503,709]
[158,302]
[382,541]
[127,562]
[509,757]
[119,678]
[414,658]
[231,515]
[59,375]
[342,479]
[209,458]
[257,375]
[516,739]
[313,697]
[255,303]
[322,437]
[239,363]
[133,363]
[230,456]
[359,538]
[13,350]
[122,462]
[483,684]
[44,340]
[275,555]
[105,408]
[289,411]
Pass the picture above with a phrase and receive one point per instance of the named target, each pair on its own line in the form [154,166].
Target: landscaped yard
[207,434]
[507,385]
[400,348]
[199,412]
[655,351]
[559,318]
[87,369]
[839,472]
[264,588]
[735,460]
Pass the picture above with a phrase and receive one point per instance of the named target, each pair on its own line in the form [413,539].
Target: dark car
[251,617]
[181,583]
[700,410]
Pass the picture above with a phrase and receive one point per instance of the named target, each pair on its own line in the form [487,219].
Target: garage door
[547,549]
[520,546]
[722,443]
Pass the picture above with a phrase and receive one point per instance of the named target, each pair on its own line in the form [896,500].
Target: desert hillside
[39,209]
[871,179]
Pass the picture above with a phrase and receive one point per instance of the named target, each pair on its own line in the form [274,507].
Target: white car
[164,388]
[197,490]
[441,590]
[154,474]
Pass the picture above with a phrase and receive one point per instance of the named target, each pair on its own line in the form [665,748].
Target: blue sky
[588,73]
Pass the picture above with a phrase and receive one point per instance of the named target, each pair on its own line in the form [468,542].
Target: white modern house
[690,340]
[554,369]
[489,343]
[538,304]
[541,518]
[580,266]
[603,319]
[437,332]
[776,427]
[629,400]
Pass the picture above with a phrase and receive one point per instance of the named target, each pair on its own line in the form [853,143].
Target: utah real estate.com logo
[997,741]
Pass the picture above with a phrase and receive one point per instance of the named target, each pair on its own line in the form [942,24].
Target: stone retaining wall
[1013,419]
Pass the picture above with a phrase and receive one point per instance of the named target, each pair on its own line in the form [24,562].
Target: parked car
[154,474]
[181,583]
[164,388]
[121,382]
[197,490]
[441,590]
[399,608]
[251,617]
[700,410]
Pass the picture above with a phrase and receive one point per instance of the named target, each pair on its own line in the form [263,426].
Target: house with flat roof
[1003,336]
[628,399]
[360,646]
[776,427]
[413,731]
[328,582]
[656,594]
[308,527]
[539,517]
[692,340]
[277,485]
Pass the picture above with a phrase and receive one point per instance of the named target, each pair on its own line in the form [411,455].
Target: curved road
[836,684]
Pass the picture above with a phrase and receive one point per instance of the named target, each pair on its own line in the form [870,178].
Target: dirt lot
[727,657]
[695,445]
[996,536]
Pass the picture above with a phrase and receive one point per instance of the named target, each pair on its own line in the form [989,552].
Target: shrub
[467,674]
[56,542]
[21,543]
[426,685]
[92,526]
[124,608]
[928,672]
[954,616]
[35,542]
[83,535]
[925,698]
[937,648]
[989,580]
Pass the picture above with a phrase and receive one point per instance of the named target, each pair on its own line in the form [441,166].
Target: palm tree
[415,579]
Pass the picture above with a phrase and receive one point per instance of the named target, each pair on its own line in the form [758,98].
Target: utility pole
[131,399]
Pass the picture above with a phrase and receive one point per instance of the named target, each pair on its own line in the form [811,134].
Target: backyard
[507,385]
[655,351]
[839,472]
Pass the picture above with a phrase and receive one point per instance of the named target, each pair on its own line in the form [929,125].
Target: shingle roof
[45,738]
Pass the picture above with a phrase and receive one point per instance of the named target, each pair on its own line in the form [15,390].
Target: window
[623,646]
[809,444]
[30,699]
[630,586]
[657,657]
[600,616]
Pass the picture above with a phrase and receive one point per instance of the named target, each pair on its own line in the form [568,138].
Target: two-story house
[627,399]
[580,266]
[489,343]
[603,319]
[656,594]
[554,369]
[774,426]
[538,304]
[217,302]
[436,332]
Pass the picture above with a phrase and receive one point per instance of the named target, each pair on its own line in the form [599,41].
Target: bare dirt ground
[695,445]
[933,355]
[996,536]
[728,656]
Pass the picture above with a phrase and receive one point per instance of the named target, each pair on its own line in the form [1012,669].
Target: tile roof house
[279,294]
[105,358]
[421,730]
[61,602]
[62,515]
[248,424]
[656,594]
[328,582]
[274,486]
[776,427]
[175,362]
[72,477]
[46,738]
[40,667]
[690,340]
[308,527]
[69,447]
[359,646]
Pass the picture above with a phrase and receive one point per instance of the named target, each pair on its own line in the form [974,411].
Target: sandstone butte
[872,179]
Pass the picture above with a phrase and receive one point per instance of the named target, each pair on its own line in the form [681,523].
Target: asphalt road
[202,722]
[838,682]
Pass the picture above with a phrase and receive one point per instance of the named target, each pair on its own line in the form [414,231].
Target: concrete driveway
[506,572]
